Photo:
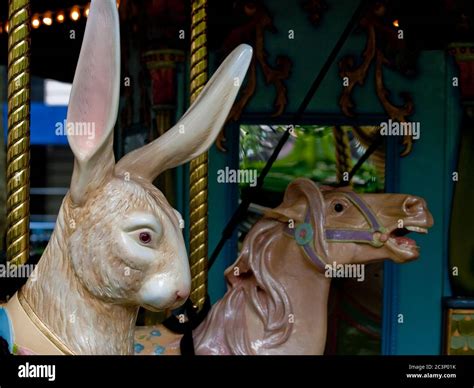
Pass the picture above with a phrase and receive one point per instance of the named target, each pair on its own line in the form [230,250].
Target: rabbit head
[124,239]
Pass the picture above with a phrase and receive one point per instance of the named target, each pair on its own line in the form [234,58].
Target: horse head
[278,287]
[340,226]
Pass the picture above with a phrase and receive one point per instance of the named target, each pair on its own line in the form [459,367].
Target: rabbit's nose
[180,295]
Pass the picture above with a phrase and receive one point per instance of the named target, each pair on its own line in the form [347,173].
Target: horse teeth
[416,229]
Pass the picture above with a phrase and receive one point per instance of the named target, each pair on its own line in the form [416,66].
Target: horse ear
[287,213]
[303,195]
[324,188]
[94,100]
[298,195]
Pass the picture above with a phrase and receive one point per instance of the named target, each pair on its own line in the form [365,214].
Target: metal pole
[18,146]
[199,166]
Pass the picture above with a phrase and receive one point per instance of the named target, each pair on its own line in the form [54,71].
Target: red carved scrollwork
[376,31]
[258,22]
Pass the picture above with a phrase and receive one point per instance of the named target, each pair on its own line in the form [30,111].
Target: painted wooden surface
[416,289]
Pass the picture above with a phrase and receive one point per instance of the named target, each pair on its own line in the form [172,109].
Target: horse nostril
[413,205]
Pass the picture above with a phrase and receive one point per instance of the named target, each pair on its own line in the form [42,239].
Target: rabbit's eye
[145,237]
[143,229]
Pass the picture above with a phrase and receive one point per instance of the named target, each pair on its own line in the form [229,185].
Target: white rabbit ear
[94,101]
[198,128]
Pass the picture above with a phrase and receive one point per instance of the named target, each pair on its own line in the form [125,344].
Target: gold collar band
[44,341]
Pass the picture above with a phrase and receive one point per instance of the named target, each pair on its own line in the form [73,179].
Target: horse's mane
[251,280]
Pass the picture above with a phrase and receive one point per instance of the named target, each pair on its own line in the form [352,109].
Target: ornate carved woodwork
[258,21]
[381,38]
[464,56]
[315,10]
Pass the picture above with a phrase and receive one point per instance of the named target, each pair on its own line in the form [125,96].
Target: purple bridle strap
[344,235]
[308,244]
[357,235]
[337,235]
[315,259]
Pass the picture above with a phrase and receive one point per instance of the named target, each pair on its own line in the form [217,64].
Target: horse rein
[303,233]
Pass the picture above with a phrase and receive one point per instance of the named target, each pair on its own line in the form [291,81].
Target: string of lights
[49,18]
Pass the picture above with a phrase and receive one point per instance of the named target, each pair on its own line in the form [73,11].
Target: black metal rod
[372,148]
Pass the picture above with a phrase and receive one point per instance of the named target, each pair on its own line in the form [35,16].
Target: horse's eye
[145,237]
[338,207]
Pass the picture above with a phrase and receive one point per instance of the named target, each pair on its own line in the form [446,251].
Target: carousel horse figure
[117,244]
[278,288]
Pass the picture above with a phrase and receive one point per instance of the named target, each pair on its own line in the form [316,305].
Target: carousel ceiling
[54,53]
[55,50]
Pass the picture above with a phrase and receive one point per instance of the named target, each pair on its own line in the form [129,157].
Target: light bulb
[35,22]
[75,14]
[47,19]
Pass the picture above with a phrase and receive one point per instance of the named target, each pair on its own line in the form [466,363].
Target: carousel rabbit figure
[117,244]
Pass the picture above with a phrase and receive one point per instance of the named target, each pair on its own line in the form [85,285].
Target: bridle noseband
[367,236]
[303,233]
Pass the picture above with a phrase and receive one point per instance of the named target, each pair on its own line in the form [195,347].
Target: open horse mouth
[404,247]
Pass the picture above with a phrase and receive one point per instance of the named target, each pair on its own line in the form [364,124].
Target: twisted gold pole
[18,147]
[198,168]
[343,153]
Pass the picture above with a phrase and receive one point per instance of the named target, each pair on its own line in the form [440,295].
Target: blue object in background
[45,120]
[6,331]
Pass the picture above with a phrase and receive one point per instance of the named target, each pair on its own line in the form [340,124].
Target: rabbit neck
[86,324]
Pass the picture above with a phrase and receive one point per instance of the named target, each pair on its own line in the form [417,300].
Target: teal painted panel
[419,286]
[453,139]
[308,52]
[223,200]
[426,173]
